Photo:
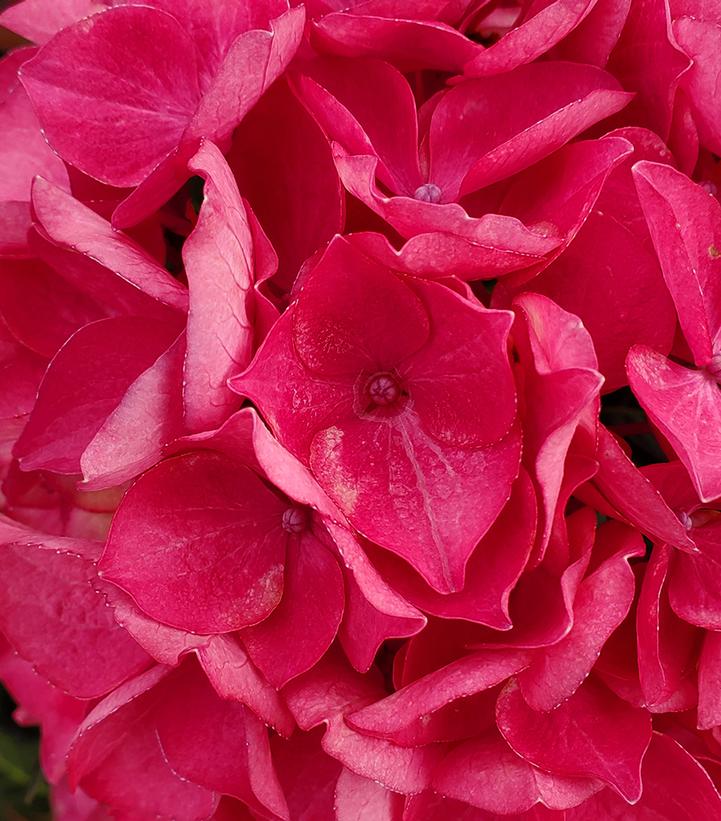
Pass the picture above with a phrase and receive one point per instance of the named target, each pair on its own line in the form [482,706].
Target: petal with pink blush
[212,560]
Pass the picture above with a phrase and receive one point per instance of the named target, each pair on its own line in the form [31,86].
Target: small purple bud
[383,389]
[428,192]
[295,520]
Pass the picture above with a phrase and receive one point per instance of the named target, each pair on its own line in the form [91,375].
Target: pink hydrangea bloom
[360,373]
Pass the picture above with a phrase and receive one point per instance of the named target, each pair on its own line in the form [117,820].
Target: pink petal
[601,604]
[40,308]
[367,107]
[52,615]
[299,631]
[492,571]
[307,774]
[447,380]
[233,677]
[634,496]
[285,471]
[354,316]
[561,385]
[155,98]
[693,586]
[493,244]
[685,405]
[162,182]
[117,757]
[23,150]
[212,562]
[401,716]
[373,612]
[85,383]
[709,682]
[487,774]
[700,40]
[9,65]
[592,735]
[676,787]
[74,227]
[218,258]
[594,38]
[648,61]
[685,224]
[215,28]
[132,437]
[277,375]
[332,687]
[234,438]
[411,44]
[402,769]
[360,799]
[571,180]
[536,34]
[438,526]
[75,806]
[666,645]
[549,104]
[15,223]
[41,703]
[429,806]
[614,237]
[251,64]
[39,20]
[541,605]
[299,217]
[216,744]
[165,644]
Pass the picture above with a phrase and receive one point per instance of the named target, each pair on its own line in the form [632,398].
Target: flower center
[295,520]
[383,389]
[685,519]
[714,367]
[428,192]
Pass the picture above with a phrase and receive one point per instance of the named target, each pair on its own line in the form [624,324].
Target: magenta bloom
[360,408]
[368,381]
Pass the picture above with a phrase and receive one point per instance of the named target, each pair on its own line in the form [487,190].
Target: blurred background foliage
[23,792]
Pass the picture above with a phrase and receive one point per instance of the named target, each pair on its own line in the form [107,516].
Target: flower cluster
[361,410]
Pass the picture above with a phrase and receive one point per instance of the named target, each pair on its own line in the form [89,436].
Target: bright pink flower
[430,198]
[274,550]
[367,380]
[359,408]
